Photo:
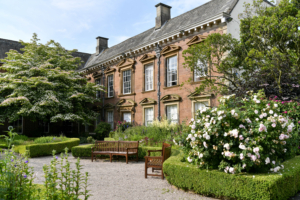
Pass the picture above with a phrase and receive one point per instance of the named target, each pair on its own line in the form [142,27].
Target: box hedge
[215,183]
[109,139]
[85,151]
[35,150]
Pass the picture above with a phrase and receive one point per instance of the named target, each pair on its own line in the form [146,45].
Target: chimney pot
[102,43]
[163,14]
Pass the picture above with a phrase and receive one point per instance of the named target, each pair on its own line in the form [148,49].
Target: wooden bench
[118,148]
[156,162]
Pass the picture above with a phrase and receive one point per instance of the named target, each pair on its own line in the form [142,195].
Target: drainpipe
[103,83]
[158,50]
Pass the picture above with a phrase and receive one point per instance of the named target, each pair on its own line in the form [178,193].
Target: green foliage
[86,150]
[122,126]
[275,186]
[83,140]
[63,183]
[152,135]
[10,138]
[102,130]
[109,139]
[46,149]
[266,56]
[49,139]
[252,136]
[90,140]
[16,179]
[42,83]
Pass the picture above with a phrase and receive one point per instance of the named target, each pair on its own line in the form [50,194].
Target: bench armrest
[92,149]
[132,148]
[148,158]
[149,151]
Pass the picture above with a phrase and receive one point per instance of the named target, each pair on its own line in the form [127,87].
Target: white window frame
[98,82]
[172,71]
[126,74]
[149,77]
[129,113]
[199,100]
[110,118]
[176,121]
[198,74]
[110,85]
[148,118]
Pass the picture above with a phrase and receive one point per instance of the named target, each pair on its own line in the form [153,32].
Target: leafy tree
[267,55]
[42,83]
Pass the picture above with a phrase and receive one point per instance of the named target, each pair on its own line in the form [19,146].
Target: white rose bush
[251,137]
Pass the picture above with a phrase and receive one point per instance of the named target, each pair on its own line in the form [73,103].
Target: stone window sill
[123,95]
[148,91]
[109,97]
[174,86]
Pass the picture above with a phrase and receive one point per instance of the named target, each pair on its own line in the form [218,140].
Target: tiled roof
[201,13]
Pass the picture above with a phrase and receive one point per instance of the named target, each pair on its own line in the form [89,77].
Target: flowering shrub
[122,126]
[253,137]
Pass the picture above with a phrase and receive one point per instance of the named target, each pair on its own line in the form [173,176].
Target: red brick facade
[139,99]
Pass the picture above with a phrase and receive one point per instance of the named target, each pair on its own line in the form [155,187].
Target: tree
[42,84]
[267,55]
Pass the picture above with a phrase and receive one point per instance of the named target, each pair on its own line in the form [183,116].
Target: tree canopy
[267,56]
[42,83]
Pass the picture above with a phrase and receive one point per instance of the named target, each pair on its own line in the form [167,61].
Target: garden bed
[282,185]
[35,150]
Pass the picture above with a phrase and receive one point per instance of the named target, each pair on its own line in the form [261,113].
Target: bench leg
[126,159]
[92,157]
[110,157]
[137,158]
[162,174]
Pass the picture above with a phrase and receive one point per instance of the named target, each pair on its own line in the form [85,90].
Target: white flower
[189,159]
[267,160]
[275,105]
[241,146]
[244,165]
[262,128]
[227,146]
[226,169]
[200,155]
[234,133]
[192,131]
[193,126]
[261,116]
[205,145]
[256,119]
[273,151]
[282,166]
[284,150]
[241,156]
[225,134]
[242,126]
[192,119]
[273,162]
[193,139]
[231,170]
[275,115]
[265,114]
[253,157]
[271,112]
[256,112]
[249,155]
[220,118]
[241,137]
[257,101]
[232,112]
[281,137]
[256,150]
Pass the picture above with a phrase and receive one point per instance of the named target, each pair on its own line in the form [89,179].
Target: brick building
[142,75]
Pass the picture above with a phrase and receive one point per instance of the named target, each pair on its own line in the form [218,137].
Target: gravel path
[118,180]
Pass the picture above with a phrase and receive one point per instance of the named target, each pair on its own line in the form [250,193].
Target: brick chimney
[102,43]
[163,14]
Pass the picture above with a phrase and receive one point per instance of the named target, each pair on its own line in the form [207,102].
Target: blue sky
[76,23]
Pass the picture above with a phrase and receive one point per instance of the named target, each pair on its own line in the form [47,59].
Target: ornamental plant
[42,83]
[102,130]
[253,137]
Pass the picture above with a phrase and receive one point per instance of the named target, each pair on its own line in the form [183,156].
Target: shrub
[102,130]
[122,126]
[49,139]
[275,186]
[109,139]
[83,140]
[253,137]
[45,149]
[85,151]
[90,140]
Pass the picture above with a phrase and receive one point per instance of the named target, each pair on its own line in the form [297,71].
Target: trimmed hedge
[35,150]
[85,151]
[109,139]
[215,183]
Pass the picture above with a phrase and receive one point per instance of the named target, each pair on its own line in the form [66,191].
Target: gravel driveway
[118,180]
